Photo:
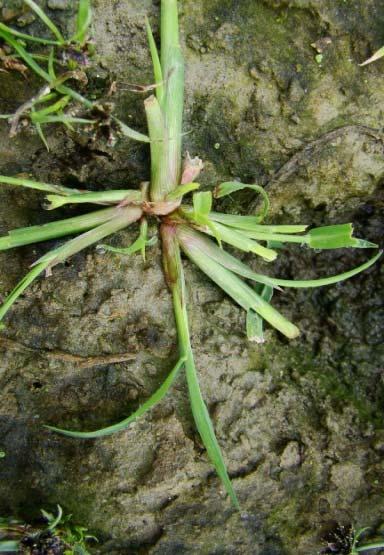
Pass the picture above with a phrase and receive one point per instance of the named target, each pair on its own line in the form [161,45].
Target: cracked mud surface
[301,422]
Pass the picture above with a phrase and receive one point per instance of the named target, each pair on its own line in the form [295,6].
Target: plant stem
[172,105]
[159,149]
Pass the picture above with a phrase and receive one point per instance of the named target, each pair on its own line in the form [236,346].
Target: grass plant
[193,229]
[64,61]
[58,535]
[357,547]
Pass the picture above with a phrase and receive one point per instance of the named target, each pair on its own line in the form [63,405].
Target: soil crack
[80,361]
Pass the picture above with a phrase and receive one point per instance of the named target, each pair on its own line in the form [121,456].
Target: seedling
[65,60]
[59,535]
[356,538]
[345,540]
[195,229]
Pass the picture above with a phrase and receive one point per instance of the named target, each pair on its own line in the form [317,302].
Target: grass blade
[198,241]
[279,237]
[299,284]
[205,428]
[369,546]
[376,56]
[240,241]
[40,132]
[105,197]
[46,98]
[255,323]
[38,185]
[56,229]
[63,89]
[229,187]
[146,406]
[336,237]
[139,245]
[63,119]
[254,327]
[24,36]
[251,223]
[131,133]
[56,107]
[24,55]
[182,190]
[10,546]
[193,240]
[122,218]
[51,65]
[158,72]
[46,20]
[240,292]
[84,19]
[21,287]
[174,272]
[202,204]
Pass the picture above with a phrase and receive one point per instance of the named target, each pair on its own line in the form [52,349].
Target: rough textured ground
[301,422]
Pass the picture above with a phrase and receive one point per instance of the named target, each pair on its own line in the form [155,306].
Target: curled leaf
[229,187]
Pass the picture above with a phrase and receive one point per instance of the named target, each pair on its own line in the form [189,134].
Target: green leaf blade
[252,223]
[37,185]
[229,187]
[21,287]
[336,237]
[157,70]
[120,426]
[46,20]
[202,204]
[10,546]
[24,55]
[244,243]
[331,280]
[376,56]
[240,292]
[24,36]
[205,428]
[54,230]
[83,22]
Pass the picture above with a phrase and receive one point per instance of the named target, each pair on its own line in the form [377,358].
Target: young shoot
[63,64]
[196,230]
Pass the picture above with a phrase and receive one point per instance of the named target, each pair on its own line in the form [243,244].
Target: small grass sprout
[58,535]
[346,540]
[196,230]
[356,539]
[63,61]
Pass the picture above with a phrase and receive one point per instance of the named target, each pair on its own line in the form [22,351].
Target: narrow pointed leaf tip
[376,56]
[336,237]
